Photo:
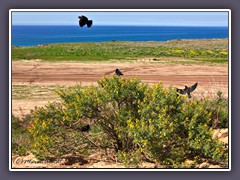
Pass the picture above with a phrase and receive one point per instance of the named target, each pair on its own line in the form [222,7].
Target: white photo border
[118,10]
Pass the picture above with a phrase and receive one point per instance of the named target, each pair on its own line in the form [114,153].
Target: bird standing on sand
[85,128]
[118,72]
[187,90]
[83,20]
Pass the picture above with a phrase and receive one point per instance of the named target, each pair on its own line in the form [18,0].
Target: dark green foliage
[219,111]
[20,135]
[52,134]
[110,104]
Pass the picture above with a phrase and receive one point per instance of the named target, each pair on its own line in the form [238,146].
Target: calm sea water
[35,35]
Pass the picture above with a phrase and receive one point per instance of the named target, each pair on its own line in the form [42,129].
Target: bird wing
[89,23]
[193,87]
[81,23]
[181,91]
[83,20]
[119,72]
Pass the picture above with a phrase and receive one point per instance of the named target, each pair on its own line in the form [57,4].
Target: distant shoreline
[197,39]
[121,25]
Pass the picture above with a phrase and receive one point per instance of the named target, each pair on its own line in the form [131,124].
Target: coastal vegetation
[135,121]
[198,51]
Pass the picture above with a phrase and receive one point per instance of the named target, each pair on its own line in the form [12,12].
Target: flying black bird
[187,90]
[118,72]
[85,128]
[83,20]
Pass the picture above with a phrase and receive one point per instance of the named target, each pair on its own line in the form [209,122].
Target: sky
[148,18]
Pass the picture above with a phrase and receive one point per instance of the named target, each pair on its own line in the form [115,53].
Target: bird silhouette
[187,90]
[85,128]
[83,20]
[118,72]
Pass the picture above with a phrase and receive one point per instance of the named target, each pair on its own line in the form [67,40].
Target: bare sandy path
[71,73]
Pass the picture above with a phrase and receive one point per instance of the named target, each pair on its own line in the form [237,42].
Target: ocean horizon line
[119,25]
[115,41]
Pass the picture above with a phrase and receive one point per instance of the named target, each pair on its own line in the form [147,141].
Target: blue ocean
[35,35]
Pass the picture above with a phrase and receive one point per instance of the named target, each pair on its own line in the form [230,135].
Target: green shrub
[110,105]
[20,135]
[218,106]
[138,121]
[171,129]
[52,134]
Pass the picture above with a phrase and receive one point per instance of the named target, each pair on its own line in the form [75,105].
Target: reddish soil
[209,77]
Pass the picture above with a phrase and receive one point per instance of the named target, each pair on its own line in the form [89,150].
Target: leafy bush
[218,107]
[138,121]
[52,134]
[20,135]
[109,105]
[171,129]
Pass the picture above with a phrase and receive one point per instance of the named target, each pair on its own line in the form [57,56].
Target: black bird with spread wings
[118,72]
[187,90]
[83,20]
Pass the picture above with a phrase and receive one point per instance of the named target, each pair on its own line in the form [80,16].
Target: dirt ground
[210,78]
